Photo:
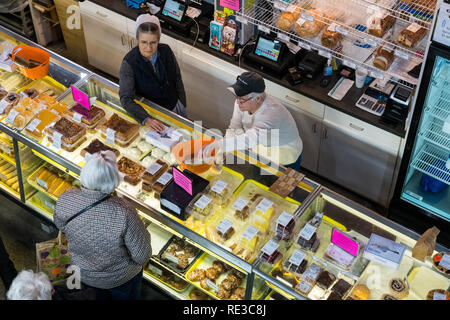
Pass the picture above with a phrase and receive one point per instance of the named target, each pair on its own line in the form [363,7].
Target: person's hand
[154,124]
[207,150]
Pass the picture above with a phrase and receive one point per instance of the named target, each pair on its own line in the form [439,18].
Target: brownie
[298,269]
[334,296]
[341,287]
[124,129]
[325,279]
[97,146]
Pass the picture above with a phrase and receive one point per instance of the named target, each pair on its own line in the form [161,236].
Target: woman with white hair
[30,286]
[106,238]
[151,71]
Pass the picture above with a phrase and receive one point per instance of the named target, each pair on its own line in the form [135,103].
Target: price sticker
[280,5]
[12,116]
[304,45]
[263,29]
[241,19]
[445,261]
[284,37]
[370,42]
[332,27]
[439,296]
[301,21]
[155,270]
[154,168]
[414,27]
[212,285]
[401,54]
[33,124]
[219,186]
[110,136]
[202,202]
[250,233]
[42,183]
[224,226]
[77,117]
[171,258]
[341,30]
[54,112]
[297,257]
[376,74]
[291,8]
[264,205]
[270,247]
[3,105]
[307,232]
[284,218]
[57,140]
[239,204]
[349,64]
[165,178]
[307,17]
[49,204]
[325,54]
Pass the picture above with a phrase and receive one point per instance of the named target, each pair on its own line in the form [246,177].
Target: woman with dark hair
[150,70]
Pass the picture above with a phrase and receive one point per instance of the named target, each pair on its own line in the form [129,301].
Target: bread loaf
[411,35]
[383,58]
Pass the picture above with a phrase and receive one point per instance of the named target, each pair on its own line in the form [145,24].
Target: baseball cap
[248,82]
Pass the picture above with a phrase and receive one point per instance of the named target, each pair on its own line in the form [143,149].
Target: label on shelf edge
[224,226]
[349,64]
[41,183]
[263,29]
[202,202]
[33,124]
[283,36]
[284,218]
[219,186]
[270,247]
[307,17]
[401,54]
[239,204]
[297,257]
[12,116]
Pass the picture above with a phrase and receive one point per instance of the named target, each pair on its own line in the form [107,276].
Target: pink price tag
[344,242]
[181,180]
[81,97]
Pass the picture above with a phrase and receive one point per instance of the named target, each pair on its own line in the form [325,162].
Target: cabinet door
[310,128]
[357,159]
[106,38]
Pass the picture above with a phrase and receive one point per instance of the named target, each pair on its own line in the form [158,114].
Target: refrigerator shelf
[433,133]
[431,161]
[440,108]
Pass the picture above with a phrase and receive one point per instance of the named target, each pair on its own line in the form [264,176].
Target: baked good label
[171,258]
[155,270]
[439,296]
[212,285]
[281,6]
[165,178]
[304,45]
[414,27]
[307,17]
[284,218]
[284,37]
[42,183]
[202,202]
[307,232]
[250,233]
[297,257]
[301,21]
[291,8]
[270,247]
[3,105]
[77,117]
[154,168]
[224,226]
[264,205]
[57,140]
[240,204]
[33,124]
[219,186]
[263,28]
[445,261]
[12,116]
[110,136]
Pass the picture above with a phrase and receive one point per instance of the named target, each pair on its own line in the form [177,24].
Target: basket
[36,54]
[184,149]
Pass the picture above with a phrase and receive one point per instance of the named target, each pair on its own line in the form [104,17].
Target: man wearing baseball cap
[261,123]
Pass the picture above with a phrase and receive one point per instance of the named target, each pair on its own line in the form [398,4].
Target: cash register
[398,105]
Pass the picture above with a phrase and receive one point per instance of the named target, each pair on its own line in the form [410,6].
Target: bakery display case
[327,257]
[387,38]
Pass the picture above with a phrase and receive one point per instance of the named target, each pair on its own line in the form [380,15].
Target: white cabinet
[358,156]
[106,37]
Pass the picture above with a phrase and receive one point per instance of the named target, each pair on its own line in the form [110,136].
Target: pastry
[31,93]
[125,131]
[70,131]
[154,171]
[287,20]
[219,266]
[89,117]
[133,171]
[325,279]
[341,287]
[3,93]
[227,285]
[437,260]
[432,294]
[388,297]
[298,269]
[308,29]
[211,273]
[197,275]
[134,153]
[183,261]
[161,183]
[12,98]
[383,58]
[197,294]
[223,294]
[227,235]
[144,146]
[360,292]
[190,251]
[334,296]
[412,35]
[378,25]
[331,38]
[37,126]
[233,280]
[97,146]
[235,297]
[398,288]
[240,292]
[238,274]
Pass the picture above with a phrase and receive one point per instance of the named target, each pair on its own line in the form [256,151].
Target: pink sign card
[181,180]
[344,242]
[230,4]
[81,97]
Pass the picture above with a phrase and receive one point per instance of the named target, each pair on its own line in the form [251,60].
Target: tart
[437,260]
[132,171]
[431,293]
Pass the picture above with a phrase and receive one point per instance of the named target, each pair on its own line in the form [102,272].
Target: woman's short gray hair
[148,27]
[254,95]
[100,172]
[30,286]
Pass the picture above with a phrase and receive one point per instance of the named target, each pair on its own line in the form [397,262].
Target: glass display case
[316,264]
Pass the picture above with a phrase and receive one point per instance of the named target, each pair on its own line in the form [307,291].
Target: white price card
[414,27]
[445,261]
[42,183]
[307,17]
[284,218]
[325,54]
[165,178]
[401,54]
[33,124]
[110,136]
[304,45]
[202,202]
[439,296]
[224,226]
[263,28]
[171,258]
[301,21]
[77,117]
[239,204]
[241,19]
[270,247]
[341,30]
[307,232]
[280,5]
[155,270]
[212,285]
[49,204]
[297,257]
[57,140]
[12,116]
[250,233]
[284,37]
[376,74]
[154,167]
[349,64]
[3,105]
[332,27]
[219,186]
[370,42]
[264,205]
[291,8]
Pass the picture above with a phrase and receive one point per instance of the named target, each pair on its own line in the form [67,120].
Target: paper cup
[360,78]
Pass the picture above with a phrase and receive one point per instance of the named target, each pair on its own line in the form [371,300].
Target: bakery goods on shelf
[10,100]
[88,117]
[8,175]
[360,292]
[132,171]
[438,294]
[52,180]
[411,35]
[72,134]
[98,146]
[398,288]
[384,57]
[31,93]
[437,258]
[40,122]
[124,131]
[331,38]
[23,112]
[197,294]
[287,19]
[308,29]
[152,173]
[380,23]
[178,254]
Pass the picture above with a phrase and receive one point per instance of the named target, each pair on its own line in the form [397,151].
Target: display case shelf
[8,158]
[184,295]
[440,106]
[432,132]
[431,161]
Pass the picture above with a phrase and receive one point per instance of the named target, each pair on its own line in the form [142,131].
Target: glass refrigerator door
[428,176]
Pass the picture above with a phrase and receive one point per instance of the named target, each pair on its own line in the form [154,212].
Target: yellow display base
[165,283]
[8,158]
[8,189]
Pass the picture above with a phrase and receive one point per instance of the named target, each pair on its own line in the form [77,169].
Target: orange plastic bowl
[185,149]
[36,54]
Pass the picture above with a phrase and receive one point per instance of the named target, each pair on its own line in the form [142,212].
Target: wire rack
[357,47]
[432,132]
[440,106]
[431,161]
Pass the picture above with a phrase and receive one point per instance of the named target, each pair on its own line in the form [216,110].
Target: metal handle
[102,15]
[292,99]
[325,132]
[121,38]
[314,128]
[356,127]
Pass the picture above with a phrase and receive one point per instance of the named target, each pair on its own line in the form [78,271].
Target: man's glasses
[242,100]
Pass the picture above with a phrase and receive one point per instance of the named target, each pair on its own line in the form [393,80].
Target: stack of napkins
[165,139]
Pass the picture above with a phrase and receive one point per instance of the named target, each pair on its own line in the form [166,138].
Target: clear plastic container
[124,132]
[70,147]
[153,172]
[14,81]
[308,238]
[132,171]
[40,122]
[224,229]
[308,279]
[89,118]
[161,183]
[71,132]
[221,189]
[248,244]
[201,207]
[264,211]
[284,226]
[9,101]
[348,251]
[97,146]
[22,113]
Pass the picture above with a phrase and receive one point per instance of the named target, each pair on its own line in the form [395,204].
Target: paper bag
[53,258]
